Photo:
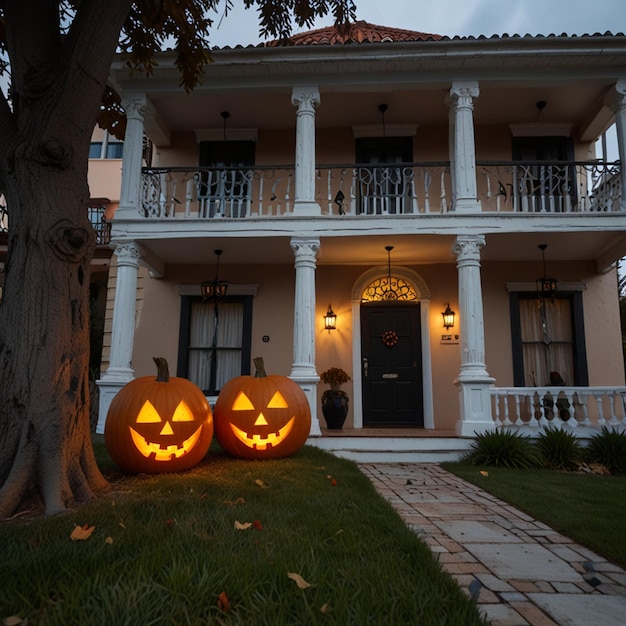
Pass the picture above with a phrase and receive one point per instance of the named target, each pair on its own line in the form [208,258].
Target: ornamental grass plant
[229,542]
[608,447]
[560,449]
[503,448]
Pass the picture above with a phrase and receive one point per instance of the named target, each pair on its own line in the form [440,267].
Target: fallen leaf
[333,482]
[80,533]
[109,540]
[169,523]
[261,484]
[484,473]
[244,526]
[223,602]
[257,524]
[121,525]
[14,620]
[325,609]
[238,502]
[302,584]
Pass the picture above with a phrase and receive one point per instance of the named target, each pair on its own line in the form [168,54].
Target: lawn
[166,550]
[590,509]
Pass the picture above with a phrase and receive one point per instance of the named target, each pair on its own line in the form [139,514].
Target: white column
[119,371]
[135,106]
[620,124]
[474,381]
[306,99]
[303,369]
[462,146]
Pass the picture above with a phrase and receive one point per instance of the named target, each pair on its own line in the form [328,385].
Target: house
[390,177]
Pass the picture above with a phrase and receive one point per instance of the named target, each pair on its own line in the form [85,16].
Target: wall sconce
[448,317]
[330,319]
[546,286]
[215,289]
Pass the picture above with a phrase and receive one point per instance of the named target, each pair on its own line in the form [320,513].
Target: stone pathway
[520,571]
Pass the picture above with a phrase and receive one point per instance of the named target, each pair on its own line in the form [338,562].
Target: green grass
[590,509]
[175,549]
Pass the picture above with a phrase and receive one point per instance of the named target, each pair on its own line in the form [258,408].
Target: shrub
[560,449]
[503,448]
[608,448]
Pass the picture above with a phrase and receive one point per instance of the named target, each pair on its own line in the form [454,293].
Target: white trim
[233,290]
[390,130]
[541,130]
[232,134]
[423,297]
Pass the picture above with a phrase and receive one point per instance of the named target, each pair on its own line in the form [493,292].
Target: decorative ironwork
[390,339]
[378,290]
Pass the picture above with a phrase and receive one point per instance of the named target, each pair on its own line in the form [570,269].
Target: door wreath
[390,339]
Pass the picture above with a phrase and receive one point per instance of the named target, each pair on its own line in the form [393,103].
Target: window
[108,148]
[385,186]
[224,190]
[212,350]
[548,339]
[545,187]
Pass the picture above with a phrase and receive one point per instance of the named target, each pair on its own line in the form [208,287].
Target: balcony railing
[581,409]
[4,219]
[550,187]
[372,190]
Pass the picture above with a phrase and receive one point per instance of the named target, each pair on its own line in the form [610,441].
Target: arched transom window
[388,288]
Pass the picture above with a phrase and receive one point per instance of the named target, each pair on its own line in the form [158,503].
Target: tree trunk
[45,443]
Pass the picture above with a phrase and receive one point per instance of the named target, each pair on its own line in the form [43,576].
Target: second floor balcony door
[384,186]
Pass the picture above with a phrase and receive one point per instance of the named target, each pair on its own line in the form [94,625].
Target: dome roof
[358,32]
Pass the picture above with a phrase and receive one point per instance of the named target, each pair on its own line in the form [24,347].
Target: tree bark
[45,439]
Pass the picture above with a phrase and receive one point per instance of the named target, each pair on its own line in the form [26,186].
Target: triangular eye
[242,403]
[277,402]
[148,414]
[182,413]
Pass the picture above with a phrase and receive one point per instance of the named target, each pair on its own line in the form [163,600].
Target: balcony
[379,190]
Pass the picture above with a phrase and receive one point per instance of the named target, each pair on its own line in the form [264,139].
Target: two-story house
[392,177]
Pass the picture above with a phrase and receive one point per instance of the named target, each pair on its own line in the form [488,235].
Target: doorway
[391,365]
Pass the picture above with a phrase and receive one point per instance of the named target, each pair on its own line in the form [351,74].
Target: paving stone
[523,585]
[476,532]
[533,614]
[566,587]
[582,609]
[493,582]
[464,568]
[523,561]
[513,596]
[502,615]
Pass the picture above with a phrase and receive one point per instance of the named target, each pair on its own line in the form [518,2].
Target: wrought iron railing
[578,408]
[101,226]
[4,219]
[550,187]
[371,190]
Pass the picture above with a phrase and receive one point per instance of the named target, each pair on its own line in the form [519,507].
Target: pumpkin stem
[260,367]
[163,371]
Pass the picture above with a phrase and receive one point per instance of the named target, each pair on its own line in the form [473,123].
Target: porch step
[386,449]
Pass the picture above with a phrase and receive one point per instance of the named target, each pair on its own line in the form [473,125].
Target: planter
[335,407]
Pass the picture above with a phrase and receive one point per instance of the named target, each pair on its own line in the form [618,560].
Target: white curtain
[228,342]
[547,342]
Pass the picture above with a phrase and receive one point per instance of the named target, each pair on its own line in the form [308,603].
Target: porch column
[306,99]
[119,371]
[620,124]
[303,369]
[136,106]
[474,381]
[462,147]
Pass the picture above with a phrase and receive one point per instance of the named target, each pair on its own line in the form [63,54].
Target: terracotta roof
[359,32]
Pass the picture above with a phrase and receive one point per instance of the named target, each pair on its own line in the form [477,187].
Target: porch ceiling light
[448,317]
[213,290]
[546,286]
[330,319]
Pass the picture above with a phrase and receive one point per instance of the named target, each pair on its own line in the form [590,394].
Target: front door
[391,365]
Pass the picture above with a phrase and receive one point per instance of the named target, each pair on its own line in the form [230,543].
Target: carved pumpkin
[158,424]
[262,417]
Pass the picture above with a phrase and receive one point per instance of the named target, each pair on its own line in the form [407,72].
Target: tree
[58,54]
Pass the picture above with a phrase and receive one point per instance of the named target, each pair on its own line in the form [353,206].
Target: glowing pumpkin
[262,417]
[158,424]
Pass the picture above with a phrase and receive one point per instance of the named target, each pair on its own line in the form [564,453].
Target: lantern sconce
[214,290]
[448,317]
[330,319]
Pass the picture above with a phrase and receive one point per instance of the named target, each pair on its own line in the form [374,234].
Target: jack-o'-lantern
[158,424]
[262,417]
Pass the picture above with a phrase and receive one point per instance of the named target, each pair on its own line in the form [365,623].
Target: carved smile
[261,443]
[167,453]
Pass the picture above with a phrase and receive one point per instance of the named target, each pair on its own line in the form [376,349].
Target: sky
[456,17]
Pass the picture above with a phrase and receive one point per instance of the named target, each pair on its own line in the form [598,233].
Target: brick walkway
[519,571]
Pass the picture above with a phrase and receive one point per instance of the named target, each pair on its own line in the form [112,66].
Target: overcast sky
[458,17]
